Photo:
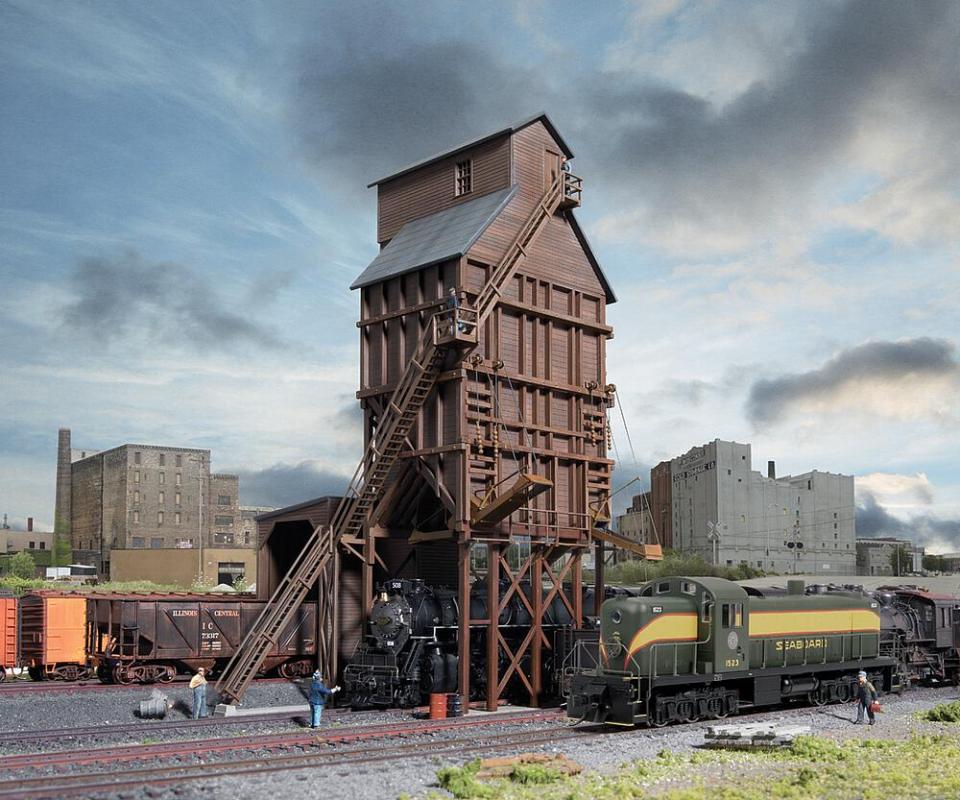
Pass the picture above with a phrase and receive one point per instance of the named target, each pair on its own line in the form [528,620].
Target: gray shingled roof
[438,237]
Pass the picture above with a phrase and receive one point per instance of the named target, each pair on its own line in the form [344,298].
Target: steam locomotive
[410,648]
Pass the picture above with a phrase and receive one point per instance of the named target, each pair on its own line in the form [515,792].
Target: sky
[773,189]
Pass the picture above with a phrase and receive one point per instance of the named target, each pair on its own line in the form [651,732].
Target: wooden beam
[525,488]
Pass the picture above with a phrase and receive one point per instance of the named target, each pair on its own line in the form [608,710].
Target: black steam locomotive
[410,649]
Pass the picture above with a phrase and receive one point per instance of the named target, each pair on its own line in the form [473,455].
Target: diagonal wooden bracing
[449,331]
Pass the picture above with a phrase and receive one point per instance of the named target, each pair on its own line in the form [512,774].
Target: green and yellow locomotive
[702,648]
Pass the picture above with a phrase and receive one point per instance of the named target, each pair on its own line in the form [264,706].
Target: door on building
[551,167]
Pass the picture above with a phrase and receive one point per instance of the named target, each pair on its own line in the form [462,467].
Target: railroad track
[28,686]
[147,728]
[119,753]
[89,783]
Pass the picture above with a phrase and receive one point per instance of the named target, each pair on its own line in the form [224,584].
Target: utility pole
[713,535]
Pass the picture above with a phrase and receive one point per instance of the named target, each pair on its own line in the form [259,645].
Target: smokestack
[29,524]
[772,470]
[62,512]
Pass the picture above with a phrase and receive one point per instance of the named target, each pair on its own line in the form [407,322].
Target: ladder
[449,330]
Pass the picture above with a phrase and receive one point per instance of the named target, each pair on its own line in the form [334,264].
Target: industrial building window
[138,541]
[136,496]
[230,571]
[179,460]
[32,546]
[809,485]
[221,520]
[224,500]
[834,525]
[184,544]
[176,498]
[223,538]
[136,516]
[163,477]
[179,478]
[156,542]
[176,518]
[464,177]
[43,545]
[136,457]
[160,498]
[136,476]
[159,518]
[163,459]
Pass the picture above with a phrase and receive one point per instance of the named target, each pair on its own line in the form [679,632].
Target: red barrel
[438,706]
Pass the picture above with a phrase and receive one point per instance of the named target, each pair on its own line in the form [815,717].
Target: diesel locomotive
[703,648]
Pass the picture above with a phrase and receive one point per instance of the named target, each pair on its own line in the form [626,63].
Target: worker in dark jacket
[319,694]
[866,695]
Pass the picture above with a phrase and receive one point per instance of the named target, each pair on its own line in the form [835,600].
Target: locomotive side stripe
[677,627]
[800,623]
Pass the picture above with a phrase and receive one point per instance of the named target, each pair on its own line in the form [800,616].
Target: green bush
[945,712]
[462,781]
[22,565]
[675,564]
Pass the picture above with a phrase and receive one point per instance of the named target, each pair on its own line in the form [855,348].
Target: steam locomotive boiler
[410,647]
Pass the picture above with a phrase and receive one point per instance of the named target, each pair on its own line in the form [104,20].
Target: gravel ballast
[417,774]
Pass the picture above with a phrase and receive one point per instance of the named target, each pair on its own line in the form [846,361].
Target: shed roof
[517,126]
[436,237]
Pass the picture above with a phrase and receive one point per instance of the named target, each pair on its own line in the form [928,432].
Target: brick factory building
[151,512]
[717,506]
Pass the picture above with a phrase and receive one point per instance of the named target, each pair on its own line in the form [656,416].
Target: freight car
[8,634]
[692,648]
[50,632]
[141,637]
[149,638]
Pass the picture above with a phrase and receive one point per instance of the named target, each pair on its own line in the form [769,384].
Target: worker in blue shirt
[319,694]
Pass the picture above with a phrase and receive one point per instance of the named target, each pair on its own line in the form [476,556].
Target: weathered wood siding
[432,188]
[545,406]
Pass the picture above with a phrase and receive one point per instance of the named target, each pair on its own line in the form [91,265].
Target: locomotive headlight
[616,617]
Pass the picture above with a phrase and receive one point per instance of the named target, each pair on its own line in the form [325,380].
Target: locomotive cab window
[688,588]
[706,613]
[663,588]
[731,615]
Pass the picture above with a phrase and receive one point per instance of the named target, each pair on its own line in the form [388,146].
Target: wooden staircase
[451,330]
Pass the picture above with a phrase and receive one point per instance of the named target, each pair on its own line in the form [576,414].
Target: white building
[728,513]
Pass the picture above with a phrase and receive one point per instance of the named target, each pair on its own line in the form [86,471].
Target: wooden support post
[599,585]
[577,584]
[536,655]
[493,627]
[463,637]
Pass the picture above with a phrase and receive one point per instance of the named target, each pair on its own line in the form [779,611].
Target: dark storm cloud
[371,114]
[874,520]
[376,91]
[783,133]
[770,400]
[118,297]
[287,484]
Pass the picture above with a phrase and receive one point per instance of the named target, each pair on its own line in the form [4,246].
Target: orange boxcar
[8,635]
[53,635]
